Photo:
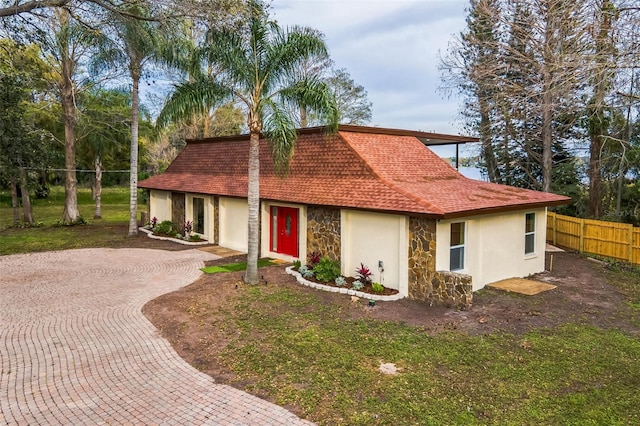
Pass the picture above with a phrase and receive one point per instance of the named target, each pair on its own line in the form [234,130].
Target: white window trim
[463,246]
[526,234]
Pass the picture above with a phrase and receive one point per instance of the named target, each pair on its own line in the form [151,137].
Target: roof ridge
[390,184]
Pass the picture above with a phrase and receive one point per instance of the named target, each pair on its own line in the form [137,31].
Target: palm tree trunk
[98,188]
[253,197]
[133,179]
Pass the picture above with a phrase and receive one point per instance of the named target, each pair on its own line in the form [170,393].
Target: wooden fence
[610,239]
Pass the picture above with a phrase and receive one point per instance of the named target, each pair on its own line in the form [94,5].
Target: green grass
[109,230]
[304,353]
[233,267]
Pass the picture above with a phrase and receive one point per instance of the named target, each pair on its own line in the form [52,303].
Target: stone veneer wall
[177,208]
[323,231]
[425,283]
[216,220]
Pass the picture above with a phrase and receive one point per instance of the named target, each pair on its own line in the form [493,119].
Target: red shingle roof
[364,170]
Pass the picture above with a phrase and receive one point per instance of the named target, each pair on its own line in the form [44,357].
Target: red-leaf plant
[314,259]
[363,274]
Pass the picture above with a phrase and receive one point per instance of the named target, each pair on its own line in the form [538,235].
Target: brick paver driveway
[76,349]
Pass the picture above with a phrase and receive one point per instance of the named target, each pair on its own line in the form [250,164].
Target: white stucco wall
[370,237]
[265,226]
[494,246]
[233,218]
[159,205]
[208,214]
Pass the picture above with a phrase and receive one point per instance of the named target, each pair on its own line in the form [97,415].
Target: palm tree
[136,42]
[257,66]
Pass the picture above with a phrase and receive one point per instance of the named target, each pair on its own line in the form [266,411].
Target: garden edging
[176,240]
[378,297]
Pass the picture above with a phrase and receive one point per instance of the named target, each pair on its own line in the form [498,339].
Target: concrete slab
[522,286]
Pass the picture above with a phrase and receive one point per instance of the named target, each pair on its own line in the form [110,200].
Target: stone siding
[216,220]
[177,208]
[323,231]
[425,283]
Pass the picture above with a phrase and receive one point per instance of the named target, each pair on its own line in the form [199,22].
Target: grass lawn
[98,233]
[294,348]
[232,267]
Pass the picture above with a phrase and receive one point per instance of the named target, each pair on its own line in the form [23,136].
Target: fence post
[581,235]
[555,229]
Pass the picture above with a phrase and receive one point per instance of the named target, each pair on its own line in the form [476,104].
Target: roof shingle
[373,171]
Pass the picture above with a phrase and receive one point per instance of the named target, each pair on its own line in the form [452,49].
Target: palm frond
[280,130]
[317,96]
[192,98]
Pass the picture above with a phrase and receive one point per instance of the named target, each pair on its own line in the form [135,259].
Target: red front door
[284,230]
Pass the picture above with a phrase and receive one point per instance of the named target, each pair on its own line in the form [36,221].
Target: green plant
[297,264]
[377,287]
[79,221]
[327,270]
[302,269]
[165,227]
[357,285]
[309,273]
[340,281]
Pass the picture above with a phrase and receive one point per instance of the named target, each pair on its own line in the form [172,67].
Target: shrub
[165,227]
[357,285]
[327,270]
[297,264]
[340,281]
[188,227]
[308,273]
[363,274]
[377,287]
[153,222]
[314,258]
[302,269]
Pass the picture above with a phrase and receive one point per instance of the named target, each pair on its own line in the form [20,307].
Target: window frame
[196,223]
[529,236]
[458,247]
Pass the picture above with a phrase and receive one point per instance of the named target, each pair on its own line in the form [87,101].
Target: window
[198,215]
[530,233]
[456,259]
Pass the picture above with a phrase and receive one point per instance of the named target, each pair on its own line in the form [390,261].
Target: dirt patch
[582,296]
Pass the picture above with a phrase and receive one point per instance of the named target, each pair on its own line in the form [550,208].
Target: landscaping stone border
[342,290]
[175,240]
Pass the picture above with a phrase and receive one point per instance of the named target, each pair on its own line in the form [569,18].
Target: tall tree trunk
[98,188]
[547,95]
[253,196]
[27,213]
[70,213]
[14,201]
[598,126]
[133,178]
[487,143]
[547,118]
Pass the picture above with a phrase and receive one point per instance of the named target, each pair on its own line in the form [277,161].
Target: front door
[284,230]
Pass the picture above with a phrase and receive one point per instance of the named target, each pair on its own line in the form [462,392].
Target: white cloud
[391,48]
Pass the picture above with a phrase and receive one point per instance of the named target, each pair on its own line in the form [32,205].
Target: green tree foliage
[542,81]
[256,67]
[22,145]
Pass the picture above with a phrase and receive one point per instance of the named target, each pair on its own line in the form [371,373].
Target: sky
[391,48]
